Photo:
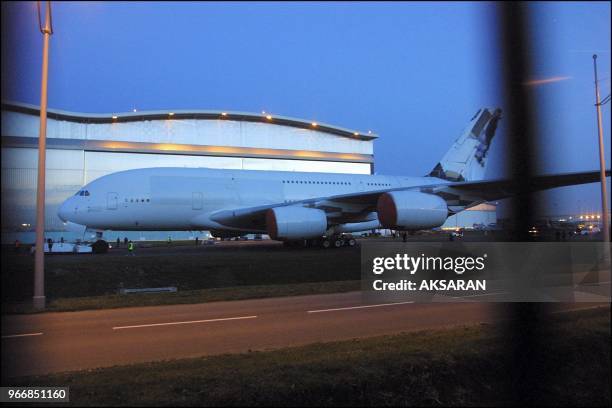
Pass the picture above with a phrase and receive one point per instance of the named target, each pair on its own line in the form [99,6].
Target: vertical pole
[39,260]
[525,339]
[602,161]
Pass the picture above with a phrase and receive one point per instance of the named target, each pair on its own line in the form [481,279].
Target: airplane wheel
[352,242]
[326,243]
[338,243]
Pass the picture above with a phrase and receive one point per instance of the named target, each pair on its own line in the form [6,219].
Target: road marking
[189,322]
[12,336]
[357,307]
[484,294]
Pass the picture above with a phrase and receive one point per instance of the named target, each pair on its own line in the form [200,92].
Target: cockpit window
[82,193]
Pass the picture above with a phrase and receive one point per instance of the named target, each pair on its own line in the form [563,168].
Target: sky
[414,73]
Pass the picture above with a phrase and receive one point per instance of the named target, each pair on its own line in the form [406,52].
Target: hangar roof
[188,114]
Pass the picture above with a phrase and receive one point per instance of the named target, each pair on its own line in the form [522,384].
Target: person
[50,243]
[62,240]
[125,241]
[169,240]
[197,241]
[131,248]
[404,237]
[118,242]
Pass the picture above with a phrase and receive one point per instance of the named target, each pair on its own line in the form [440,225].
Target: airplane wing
[350,207]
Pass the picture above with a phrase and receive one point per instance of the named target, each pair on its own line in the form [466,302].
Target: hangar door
[111,201]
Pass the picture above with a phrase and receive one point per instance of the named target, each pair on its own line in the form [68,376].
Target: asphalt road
[56,342]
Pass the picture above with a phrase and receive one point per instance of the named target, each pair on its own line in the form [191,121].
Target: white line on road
[357,307]
[483,294]
[11,336]
[189,322]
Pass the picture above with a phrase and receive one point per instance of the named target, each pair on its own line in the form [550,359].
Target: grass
[189,296]
[460,366]
[76,282]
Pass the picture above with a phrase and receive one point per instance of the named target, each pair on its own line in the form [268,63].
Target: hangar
[84,146]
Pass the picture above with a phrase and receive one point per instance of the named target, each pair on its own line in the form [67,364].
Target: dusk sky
[414,73]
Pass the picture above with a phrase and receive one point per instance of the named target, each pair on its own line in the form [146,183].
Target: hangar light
[223,113]
[314,124]
[269,117]
[114,116]
[171,113]
[356,133]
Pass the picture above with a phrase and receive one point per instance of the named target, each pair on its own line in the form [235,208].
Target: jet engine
[411,210]
[287,223]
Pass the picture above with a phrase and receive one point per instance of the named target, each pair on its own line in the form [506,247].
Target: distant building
[84,146]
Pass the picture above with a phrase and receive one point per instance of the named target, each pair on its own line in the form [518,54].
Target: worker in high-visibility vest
[131,248]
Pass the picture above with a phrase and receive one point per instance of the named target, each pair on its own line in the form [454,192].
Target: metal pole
[39,257]
[602,161]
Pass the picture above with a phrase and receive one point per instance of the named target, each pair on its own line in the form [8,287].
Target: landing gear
[335,241]
[338,241]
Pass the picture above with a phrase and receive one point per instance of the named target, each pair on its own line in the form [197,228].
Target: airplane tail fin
[466,159]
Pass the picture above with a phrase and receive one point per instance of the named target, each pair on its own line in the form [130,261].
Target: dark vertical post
[525,324]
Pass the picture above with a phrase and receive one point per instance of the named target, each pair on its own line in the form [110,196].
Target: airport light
[38,301]
[314,124]
[223,113]
[171,114]
[602,159]
[269,117]
[356,133]
[114,117]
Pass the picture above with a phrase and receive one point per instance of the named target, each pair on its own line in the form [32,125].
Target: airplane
[300,206]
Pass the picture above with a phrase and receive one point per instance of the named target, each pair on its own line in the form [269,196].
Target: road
[55,342]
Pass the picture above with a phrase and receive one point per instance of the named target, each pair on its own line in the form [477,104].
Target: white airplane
[293,206]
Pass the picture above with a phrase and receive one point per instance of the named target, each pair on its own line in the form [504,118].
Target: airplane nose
[63,211]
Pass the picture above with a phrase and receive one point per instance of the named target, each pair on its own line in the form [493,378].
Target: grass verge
[188,296]
[460,366]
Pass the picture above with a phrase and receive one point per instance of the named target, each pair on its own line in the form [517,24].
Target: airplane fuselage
[185,198]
